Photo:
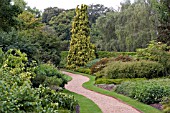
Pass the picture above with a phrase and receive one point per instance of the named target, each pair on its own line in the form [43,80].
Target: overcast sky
[68,4]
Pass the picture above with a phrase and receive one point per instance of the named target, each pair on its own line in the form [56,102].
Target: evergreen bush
[81,49]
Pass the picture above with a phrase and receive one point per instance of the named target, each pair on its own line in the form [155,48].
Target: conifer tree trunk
[81,49]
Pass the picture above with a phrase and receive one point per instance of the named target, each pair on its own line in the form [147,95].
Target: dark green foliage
[48,75]
[98,66]
[135,69]
[8,14]
[39,45]
[116,81]
[81,50]
[49,13]
[63,61]
[96,10]
[62,25]
[147,91]
[54,82]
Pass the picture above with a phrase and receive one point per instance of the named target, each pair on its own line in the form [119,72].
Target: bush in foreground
[147,91]
[17,94]
[47,74]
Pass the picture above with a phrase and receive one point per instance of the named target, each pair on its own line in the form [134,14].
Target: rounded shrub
[45,73]
[135,69]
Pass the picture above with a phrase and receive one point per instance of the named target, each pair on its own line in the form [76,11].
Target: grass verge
[134,103]
[86,105]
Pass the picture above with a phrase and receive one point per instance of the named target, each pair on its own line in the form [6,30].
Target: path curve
[106,104]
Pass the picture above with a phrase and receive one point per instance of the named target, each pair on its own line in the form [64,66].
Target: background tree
[49,13]
[8,14]
[97,10]
[28,20]
[62,27]
[125,30]
[163,10]
[81,50]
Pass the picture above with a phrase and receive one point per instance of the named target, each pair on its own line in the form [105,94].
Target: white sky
[68,4]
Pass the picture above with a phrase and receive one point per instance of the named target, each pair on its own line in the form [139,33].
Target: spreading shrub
[83,70]
[99,65]
[135,69]
[116,81]
[147,91]
[46,73]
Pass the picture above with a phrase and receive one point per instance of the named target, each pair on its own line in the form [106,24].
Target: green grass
[136,104]
[86,105]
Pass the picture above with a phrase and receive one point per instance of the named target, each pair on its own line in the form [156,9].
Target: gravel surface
[106,104]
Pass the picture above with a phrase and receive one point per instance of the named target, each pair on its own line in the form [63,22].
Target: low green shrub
[108,81]
[83,70]
[53,81]
[47,70]
[147,91]
[45,73]
[99,65]
[135,69]
[166,104]
[116,81]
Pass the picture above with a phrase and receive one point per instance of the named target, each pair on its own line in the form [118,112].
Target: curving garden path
[106,104]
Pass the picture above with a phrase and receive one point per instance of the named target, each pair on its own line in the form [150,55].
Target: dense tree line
[43,35]
[23,29]
[130,27]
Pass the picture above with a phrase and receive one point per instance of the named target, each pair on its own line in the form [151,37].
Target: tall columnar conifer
[81,49]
